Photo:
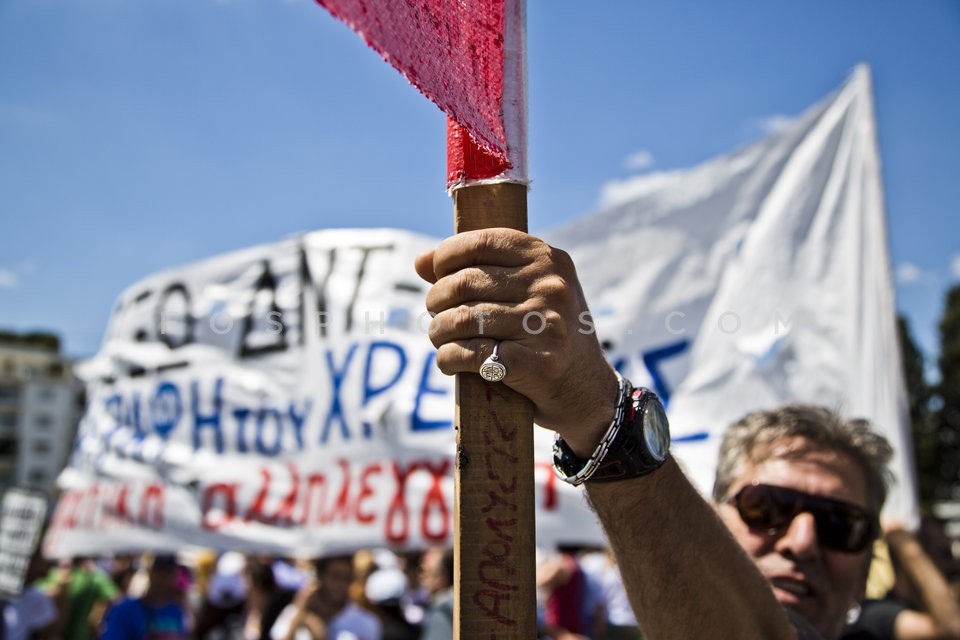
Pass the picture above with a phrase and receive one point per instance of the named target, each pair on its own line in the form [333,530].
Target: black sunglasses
[840,526]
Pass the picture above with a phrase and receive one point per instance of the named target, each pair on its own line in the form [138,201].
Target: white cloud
[955,266]
[777,123]
[639,160]
[8,279]
[616,192]
[909,273]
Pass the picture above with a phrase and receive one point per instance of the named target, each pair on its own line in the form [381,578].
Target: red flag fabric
[467,160]
[468,58]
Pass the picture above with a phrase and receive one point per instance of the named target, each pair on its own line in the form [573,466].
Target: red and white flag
[468,57]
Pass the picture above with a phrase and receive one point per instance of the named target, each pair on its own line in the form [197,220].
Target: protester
[801,490]
[564,585]
[222,611]
[621,623]
[686,576]
[322,609]
[363,565]
[159,614]
[417,599]
[265,598]
[920,606]
[121,568]
[83,592]
[32,614]
[595,563]
[384,591]
[436,576]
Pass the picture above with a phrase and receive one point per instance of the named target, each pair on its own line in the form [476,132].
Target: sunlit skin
[819,584]
[431,571]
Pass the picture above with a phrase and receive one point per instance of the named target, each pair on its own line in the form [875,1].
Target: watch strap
[626,454]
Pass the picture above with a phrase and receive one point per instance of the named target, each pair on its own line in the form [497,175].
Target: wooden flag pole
[494,533]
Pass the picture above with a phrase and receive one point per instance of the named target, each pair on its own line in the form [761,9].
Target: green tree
[948,392]
[39,339]
[922,424]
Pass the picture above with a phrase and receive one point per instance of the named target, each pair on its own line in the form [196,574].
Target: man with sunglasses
[685,575]
[801,488]
[798,490]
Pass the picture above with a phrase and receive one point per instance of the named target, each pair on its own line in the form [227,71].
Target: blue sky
[138,135]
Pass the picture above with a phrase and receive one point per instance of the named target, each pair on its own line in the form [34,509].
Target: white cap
[385,559]
[386,584]
[227,587]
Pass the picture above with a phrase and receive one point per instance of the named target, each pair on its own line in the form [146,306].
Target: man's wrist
[635,443]
[584,435]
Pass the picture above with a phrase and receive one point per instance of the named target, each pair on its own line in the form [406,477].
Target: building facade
[40,405]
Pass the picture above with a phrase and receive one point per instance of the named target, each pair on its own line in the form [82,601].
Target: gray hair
[748,440]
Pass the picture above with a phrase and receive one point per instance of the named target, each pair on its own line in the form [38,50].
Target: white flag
[756,279]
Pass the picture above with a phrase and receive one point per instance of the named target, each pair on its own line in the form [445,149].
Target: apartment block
[40,405]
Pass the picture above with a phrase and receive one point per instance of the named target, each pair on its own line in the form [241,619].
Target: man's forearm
[683,572]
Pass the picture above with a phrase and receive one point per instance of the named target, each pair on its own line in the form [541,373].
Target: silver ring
[492,370]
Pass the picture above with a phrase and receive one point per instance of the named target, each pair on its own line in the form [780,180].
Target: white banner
[22,513]
[282,398]
[756,279]
[286,398]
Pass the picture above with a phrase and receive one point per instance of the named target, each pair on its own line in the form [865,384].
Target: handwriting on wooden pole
[496,570]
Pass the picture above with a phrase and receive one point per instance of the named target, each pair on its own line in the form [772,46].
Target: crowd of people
[383,595]
[367,595]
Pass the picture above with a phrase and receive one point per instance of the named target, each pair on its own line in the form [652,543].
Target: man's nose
[800,538]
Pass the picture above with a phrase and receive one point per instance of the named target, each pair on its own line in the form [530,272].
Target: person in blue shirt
[157,615]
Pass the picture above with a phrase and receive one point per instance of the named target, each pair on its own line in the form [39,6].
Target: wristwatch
[635,444]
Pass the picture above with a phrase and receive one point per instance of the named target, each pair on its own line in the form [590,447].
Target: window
[37,476]
[43,422]
[8,446]
[45,395]
[41,446]
[8,393]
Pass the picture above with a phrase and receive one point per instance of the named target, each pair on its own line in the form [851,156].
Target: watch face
[565,461]
[566,464]
[656,429]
